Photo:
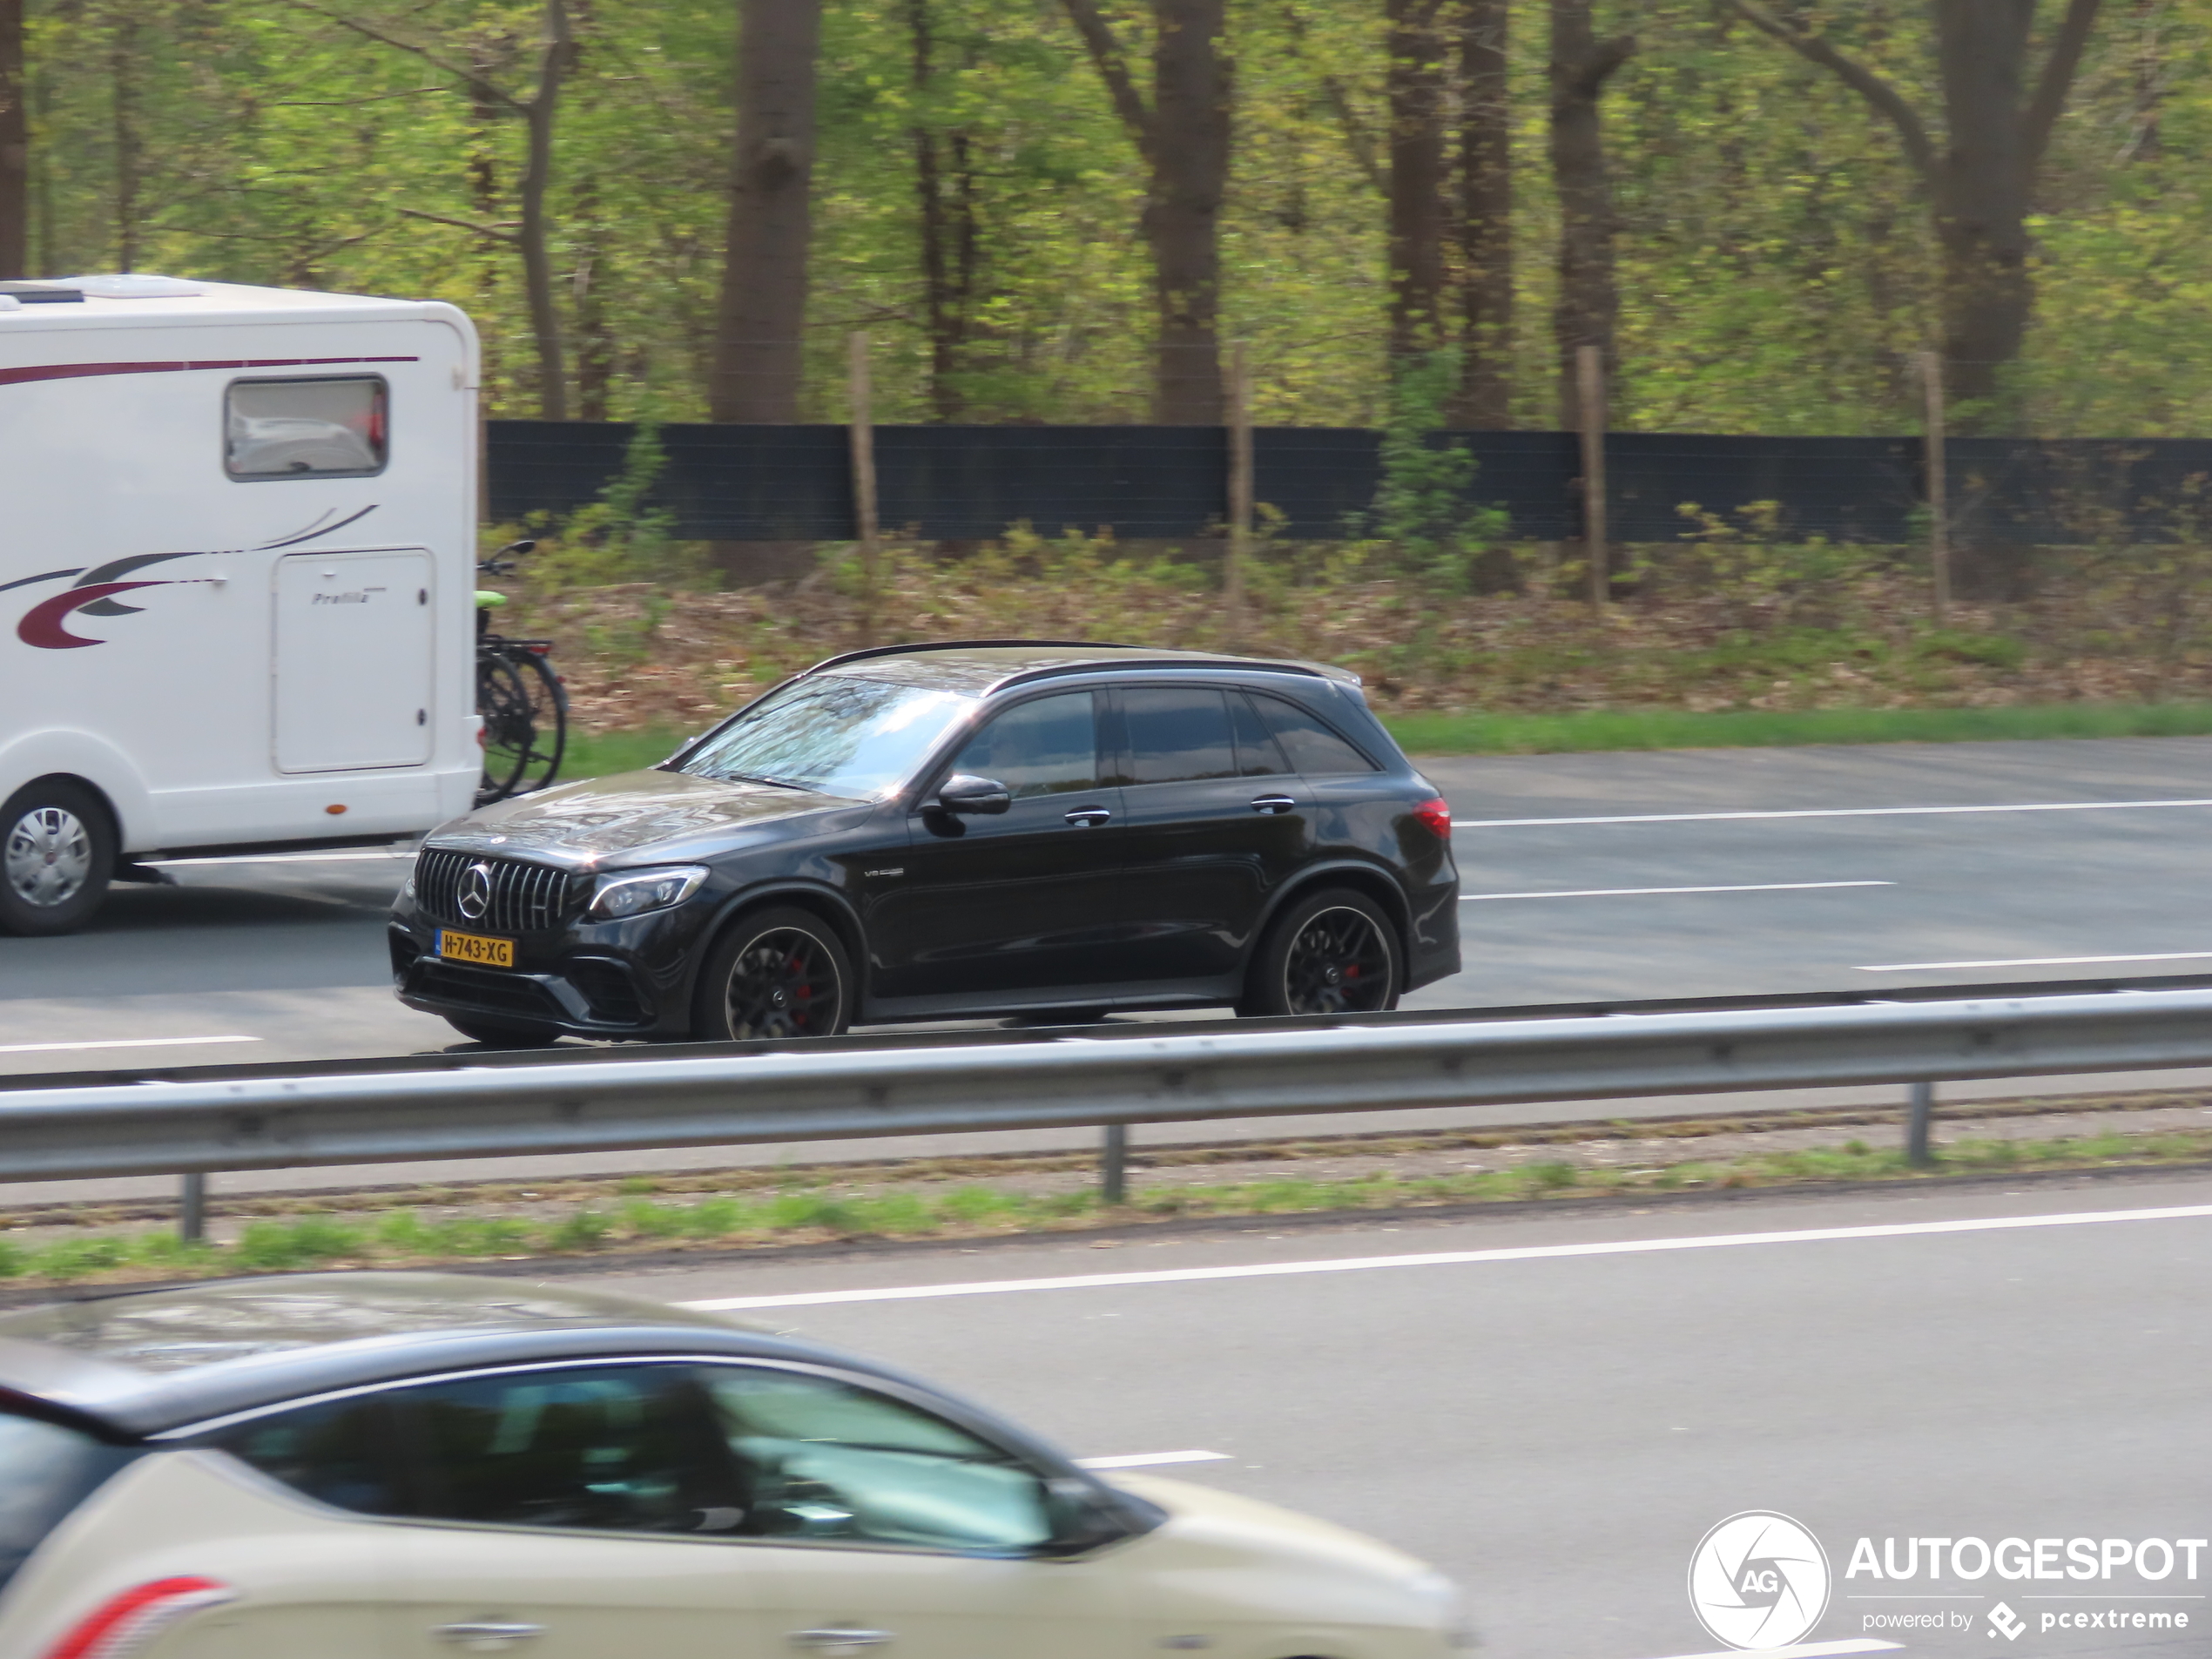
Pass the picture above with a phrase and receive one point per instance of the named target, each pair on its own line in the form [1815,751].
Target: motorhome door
[354,636]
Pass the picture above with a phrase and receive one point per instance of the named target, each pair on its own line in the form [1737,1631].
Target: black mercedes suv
[929,832]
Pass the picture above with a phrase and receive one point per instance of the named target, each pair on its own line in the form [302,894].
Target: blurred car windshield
[836,734]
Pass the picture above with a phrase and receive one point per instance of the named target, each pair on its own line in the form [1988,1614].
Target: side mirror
[970,796]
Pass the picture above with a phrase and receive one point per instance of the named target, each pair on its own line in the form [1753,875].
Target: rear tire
[775,974]
[497,1035]
[1334,952]
[56,858]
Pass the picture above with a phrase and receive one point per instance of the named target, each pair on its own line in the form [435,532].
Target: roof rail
[952,644]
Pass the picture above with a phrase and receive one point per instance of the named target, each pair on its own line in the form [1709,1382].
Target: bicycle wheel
[548,701]
[503,700]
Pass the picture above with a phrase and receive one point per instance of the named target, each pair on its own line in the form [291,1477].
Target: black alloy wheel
[56,857]
[778,972]
[1333,952]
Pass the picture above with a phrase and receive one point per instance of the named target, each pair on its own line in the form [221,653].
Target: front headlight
[633,892]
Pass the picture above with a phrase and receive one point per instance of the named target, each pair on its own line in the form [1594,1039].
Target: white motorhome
[237,551]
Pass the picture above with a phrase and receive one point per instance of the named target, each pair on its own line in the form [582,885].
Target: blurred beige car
[398,1465]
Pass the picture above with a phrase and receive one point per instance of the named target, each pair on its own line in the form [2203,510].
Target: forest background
[1065,211]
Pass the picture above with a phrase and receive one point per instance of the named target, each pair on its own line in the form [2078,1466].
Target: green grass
[1612,729]
[408,1237]
[596,754]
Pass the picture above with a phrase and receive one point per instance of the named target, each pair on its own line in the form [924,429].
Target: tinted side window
[1258,753]
[45,1471]
[828,1460]
[611,1448]
[341,1452]
[1045,747]
[1178,733]
[1311,746]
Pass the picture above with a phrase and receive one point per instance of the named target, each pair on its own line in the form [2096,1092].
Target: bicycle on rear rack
[524,703]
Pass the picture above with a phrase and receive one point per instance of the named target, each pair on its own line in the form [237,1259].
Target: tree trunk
[15,147]
[1414,89]
[945,193]
[758,363]
[1190,174]
[1981,191]
[531,237]
[1589,304]
[1485,394]
[123,70]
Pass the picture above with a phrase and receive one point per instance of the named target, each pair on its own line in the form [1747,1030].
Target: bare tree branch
[490,233]
[1815,48]
[461,72]
[1113,68]
[2058,78]
[1356,136]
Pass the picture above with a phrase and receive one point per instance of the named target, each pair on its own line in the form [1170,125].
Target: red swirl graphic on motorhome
[42,623]
[93,593]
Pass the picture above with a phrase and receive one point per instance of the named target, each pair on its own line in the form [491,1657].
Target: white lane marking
[1630,893]
[1806,1650]
[2033,961]
[1824,811]
[285,858]
[1454,1258]
[116,1042]
[1149,1459]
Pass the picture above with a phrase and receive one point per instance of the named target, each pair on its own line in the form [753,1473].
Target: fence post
[1590,378]
[1240,496]
[864,505]
[1113,1165]
[1939,485]
[192,1208]
[1916,1125]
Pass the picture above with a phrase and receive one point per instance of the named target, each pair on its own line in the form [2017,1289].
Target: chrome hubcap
[48,857]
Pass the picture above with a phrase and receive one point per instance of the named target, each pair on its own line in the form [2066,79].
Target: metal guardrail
[1165,1073]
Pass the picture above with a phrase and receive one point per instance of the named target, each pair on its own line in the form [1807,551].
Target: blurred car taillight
[1437,814]
[123,1624]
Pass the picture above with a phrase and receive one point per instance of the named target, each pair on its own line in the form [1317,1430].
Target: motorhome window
[317,429]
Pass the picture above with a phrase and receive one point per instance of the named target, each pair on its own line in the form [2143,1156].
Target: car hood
[600,817]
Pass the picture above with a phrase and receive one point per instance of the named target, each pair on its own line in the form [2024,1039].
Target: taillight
[125,1623]
[1437,814]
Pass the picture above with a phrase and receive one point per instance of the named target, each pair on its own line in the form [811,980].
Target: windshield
[838,734]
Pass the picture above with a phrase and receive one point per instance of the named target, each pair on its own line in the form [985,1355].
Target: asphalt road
[1558,1431]
[1710,872]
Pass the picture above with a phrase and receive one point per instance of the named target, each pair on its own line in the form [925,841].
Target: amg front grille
[517,898]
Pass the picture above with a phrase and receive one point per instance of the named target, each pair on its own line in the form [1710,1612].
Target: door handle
[1089,817]
[839,1641]
[488,1635]
[1272,804]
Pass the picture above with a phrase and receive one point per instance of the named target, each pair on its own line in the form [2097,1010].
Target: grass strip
[1594,730]
[413,1238]
[596,754]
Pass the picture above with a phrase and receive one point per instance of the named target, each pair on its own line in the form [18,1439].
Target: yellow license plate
[474,948]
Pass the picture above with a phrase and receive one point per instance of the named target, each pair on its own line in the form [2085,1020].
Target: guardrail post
[1113,1165]
[191,1209]
[1916,1125]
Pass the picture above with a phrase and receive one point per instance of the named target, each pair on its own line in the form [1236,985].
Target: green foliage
[1421,508]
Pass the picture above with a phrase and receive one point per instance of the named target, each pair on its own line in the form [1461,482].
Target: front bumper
[630,978]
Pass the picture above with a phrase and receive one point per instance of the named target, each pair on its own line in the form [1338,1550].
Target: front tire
[495,1033]
[1334,952]
[56,858]
[776,973]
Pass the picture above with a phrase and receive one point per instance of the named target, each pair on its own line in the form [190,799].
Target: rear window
[45,1471]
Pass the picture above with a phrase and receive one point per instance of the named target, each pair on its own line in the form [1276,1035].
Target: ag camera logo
[1759,1580]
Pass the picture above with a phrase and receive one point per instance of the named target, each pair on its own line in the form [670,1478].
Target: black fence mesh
[794,483]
